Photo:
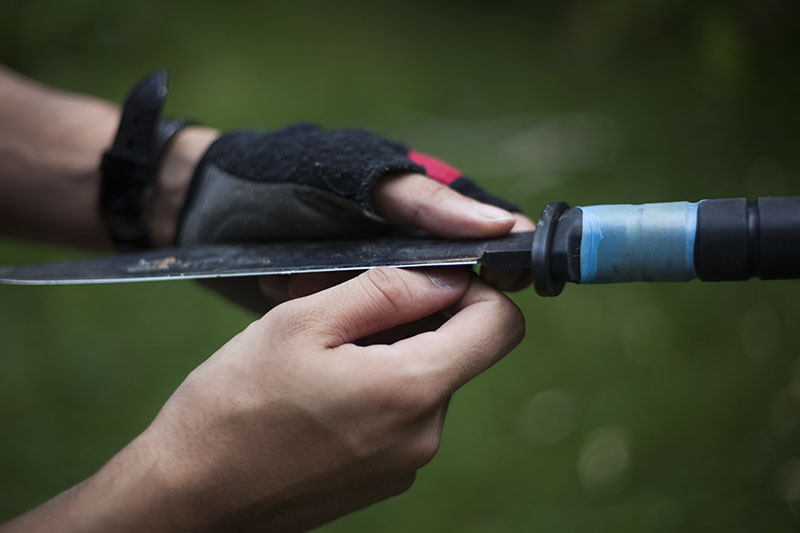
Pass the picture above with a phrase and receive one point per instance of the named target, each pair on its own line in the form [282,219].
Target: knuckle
[438,195]
[438,192]
[287,320]
[407,395]
[424,398]
[428,195]
[415,389]
[421,185]
[424,449]
[281,316]
[388,287]
[398,397]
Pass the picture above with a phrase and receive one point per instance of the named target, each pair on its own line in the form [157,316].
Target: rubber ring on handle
[543,281]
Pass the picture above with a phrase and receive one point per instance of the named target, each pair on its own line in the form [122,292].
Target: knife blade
[297,257]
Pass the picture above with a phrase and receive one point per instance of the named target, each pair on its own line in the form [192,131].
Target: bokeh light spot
[605,458]
[549,416]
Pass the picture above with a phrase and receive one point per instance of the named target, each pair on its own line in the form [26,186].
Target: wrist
[175,173]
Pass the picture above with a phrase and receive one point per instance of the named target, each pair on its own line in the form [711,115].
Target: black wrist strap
[130,167]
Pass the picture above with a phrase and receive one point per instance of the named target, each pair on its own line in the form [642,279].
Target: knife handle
[710,240]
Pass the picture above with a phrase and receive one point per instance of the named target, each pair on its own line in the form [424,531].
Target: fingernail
[444,277]
[490,212]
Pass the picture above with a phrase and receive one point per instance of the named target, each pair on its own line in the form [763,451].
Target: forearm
[128,493]
[51,143]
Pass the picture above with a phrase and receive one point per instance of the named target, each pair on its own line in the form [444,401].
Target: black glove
[301,182]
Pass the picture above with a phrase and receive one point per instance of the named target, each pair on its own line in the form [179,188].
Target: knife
[710,240]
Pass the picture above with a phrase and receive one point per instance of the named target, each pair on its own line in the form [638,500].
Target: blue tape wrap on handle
[648,242]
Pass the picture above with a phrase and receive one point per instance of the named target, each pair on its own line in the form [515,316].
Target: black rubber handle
[738,240]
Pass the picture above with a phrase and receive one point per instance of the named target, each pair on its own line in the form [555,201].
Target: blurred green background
[627,408]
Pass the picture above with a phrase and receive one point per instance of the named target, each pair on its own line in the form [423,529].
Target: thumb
[377,300]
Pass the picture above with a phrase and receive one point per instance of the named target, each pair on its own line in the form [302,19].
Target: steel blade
[232,260]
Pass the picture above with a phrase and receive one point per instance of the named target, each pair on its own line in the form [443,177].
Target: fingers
[511,280]
[377,300]
[486,326]
[416,200]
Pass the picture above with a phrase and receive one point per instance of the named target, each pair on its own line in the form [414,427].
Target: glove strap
[130,167]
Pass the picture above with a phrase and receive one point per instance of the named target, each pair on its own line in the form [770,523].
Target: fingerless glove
[300,182]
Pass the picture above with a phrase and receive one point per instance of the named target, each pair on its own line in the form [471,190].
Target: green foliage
[628,408]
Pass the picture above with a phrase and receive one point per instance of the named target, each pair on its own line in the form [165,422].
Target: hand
[292,424]
[309,426]
[402,198]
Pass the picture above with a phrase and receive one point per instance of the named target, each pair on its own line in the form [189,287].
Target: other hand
[293,422]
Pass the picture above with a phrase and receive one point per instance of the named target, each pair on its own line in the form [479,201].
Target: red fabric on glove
[435,168]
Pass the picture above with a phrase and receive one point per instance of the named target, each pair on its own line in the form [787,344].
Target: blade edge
[229,274]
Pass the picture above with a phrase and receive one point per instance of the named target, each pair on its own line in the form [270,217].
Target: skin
[326,404]
[280,430]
